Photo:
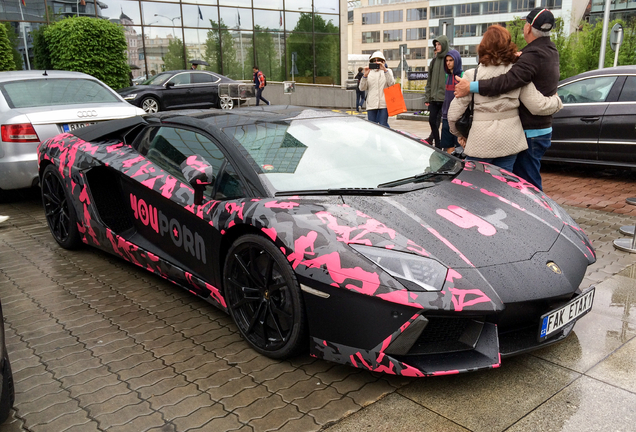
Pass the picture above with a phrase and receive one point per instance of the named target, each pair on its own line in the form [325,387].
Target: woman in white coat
[374,81]
[496,135]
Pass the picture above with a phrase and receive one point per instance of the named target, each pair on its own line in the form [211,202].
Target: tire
[7,398]
[150,105]
[264,298]
[59,210]
[226,103]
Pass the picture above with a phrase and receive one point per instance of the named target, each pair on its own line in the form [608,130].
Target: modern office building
[287,39]
[388,24]
[619,9]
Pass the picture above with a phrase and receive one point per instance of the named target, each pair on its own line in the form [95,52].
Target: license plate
[67,127]
[554,321]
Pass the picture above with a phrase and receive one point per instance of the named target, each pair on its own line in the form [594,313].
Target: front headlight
[416,273]
[130,96]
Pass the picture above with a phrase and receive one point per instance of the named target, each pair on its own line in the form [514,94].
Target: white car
[37,105]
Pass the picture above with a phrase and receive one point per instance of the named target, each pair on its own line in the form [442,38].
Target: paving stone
[286,380]
[160,387]
[130,360]
[245,397]
[272,371]
[49,387]
[227,423]
[353,382]
[199,417]
[230,388]
[260,408]
[102,394]
[141,370]
[301,389]
[305,424]
[317,399]
[65,421]
[187,406]
[334,410]
[142,423]
[85,376]
[174,396]
[124,415]
[46,415]
[216,379]
[92,385]
[122,354]
[371,392]
[276,418]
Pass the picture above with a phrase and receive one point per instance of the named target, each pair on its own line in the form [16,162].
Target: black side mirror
[169,84]
[199,174]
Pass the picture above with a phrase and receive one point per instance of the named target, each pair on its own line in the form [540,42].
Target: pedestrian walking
[453,68]
[259,84]
[375,78]
[359,93]
[537,64]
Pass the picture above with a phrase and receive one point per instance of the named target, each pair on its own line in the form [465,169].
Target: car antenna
[45,74]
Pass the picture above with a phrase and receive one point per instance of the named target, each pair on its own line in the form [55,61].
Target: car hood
[464,225]
[79,113]
[139,88]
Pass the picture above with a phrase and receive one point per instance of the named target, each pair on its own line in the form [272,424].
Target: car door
[576,128]
[206,89]
[179,91]
[617,142]
[161,209]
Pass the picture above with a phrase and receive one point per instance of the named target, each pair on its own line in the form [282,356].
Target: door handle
[590,119]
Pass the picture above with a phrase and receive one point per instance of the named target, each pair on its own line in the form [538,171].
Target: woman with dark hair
[496,135]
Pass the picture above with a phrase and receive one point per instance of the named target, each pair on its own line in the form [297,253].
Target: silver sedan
[37,105]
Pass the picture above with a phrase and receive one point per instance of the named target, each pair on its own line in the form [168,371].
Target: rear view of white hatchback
[37,105]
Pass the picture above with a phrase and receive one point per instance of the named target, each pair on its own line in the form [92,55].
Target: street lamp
[171,19]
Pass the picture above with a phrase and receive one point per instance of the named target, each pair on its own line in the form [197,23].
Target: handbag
[394,100]
[464,122]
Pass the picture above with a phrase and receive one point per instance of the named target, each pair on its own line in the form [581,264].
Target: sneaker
[269,103]
[3,218]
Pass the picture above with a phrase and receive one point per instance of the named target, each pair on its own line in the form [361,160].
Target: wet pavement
[97,344]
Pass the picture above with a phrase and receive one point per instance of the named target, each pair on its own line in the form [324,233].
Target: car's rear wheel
[7,397]
[150,105]
[264,297]
[58,209]
[226,102]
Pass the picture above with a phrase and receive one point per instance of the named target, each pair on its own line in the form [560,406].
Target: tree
[265,53]
[173,60]
[93,46]
[6,52]
[41,55]
[225,62]
[13,41]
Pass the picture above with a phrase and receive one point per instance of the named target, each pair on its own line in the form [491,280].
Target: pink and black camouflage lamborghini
[323,232]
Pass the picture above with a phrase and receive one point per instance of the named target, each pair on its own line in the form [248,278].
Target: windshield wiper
[418,178]
[344,191]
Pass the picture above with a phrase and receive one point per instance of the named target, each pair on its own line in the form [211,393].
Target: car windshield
[159,79]
[335,153]
[56,91]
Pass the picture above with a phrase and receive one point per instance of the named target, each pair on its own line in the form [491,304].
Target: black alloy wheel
[58,209]
[264,298]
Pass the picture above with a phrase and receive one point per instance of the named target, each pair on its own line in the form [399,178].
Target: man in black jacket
[539,64]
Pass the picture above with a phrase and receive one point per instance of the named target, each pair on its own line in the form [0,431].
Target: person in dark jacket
[435,90]
[539,64]
[359,93]
[259,85]
[453,68]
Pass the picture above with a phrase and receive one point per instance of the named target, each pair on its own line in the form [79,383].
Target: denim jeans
[528,163]
[259,96]
[505,162]
[379,116]
[359,98]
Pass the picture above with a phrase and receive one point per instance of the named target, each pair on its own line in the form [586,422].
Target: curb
[411,116]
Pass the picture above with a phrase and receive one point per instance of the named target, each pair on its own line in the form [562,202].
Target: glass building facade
[288,39]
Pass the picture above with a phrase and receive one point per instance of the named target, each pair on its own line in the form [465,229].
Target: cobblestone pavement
[97,344]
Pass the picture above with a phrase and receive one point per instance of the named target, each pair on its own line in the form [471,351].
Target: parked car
[7,390]
[320,231]
[36,105]
[597,125]
[180,89]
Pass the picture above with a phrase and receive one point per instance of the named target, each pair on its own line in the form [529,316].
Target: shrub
[93,46]
[6,51]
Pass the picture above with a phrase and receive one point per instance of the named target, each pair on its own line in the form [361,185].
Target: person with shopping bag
[376,77]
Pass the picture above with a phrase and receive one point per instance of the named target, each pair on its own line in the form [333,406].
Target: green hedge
[93,46]
[6,51]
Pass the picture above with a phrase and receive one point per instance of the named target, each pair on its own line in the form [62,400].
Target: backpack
[264,80]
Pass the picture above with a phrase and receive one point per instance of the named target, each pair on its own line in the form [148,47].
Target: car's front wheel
[226,103]
[7,397]
[58,209]
[150,105]
[264,297]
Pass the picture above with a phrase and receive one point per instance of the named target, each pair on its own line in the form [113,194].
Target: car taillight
[19,133]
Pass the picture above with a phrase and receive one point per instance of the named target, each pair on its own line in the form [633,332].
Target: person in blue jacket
[453,68]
